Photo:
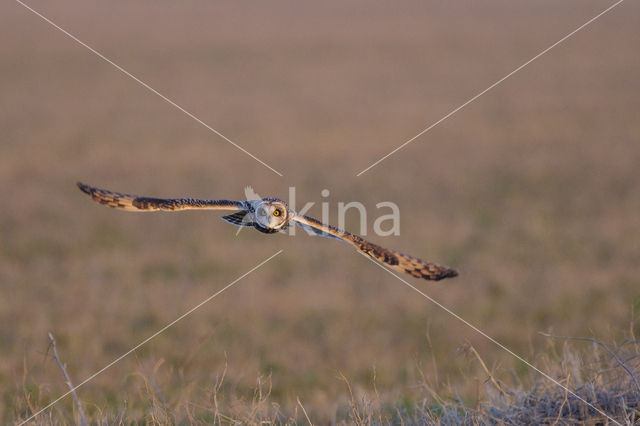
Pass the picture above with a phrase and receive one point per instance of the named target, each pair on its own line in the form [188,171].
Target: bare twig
[425,384]
[83,422]
[354,406]
[216,389]
[496,384]
[565,401]
[304,411]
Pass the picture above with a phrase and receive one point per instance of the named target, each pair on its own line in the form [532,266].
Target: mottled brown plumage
[395,260]
[135,203]
[270,215]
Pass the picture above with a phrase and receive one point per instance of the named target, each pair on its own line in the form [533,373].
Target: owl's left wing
[395,260]
[135,203]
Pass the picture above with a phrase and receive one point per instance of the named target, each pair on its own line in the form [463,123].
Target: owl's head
[272,214]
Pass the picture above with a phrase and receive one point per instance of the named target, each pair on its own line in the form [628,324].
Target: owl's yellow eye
[276,212]
[261,212]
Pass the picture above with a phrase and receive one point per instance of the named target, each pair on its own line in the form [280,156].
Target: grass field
[532,192]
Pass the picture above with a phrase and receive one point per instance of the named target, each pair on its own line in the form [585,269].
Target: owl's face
[272,214]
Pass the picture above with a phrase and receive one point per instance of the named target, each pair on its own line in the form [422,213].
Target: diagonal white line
[492,86]
[88,379]
[151,89]
[500,345]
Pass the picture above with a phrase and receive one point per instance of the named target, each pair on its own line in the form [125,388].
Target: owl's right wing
[138,204]
[397,261]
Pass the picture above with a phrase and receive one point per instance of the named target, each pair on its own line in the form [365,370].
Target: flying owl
[270,215]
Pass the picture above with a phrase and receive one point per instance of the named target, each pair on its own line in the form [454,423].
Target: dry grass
[532,192]
[599,384]
[606,379]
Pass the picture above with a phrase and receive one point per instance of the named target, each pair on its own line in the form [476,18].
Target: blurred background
[531,192]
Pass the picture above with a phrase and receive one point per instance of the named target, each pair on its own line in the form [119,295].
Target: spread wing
[137,204]
[396,261]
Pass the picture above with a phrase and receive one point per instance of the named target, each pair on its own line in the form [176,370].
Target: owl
[271,215]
